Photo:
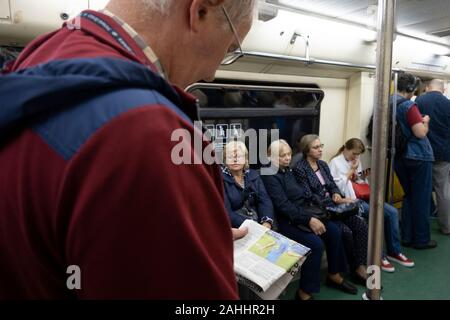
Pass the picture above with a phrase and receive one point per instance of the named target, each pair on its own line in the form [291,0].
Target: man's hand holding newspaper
[266,261]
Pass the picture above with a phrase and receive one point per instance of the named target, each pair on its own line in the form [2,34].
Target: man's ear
[200,10]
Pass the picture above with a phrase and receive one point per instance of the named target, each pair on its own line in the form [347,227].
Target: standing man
[414,167]
[87,181]
[435,104]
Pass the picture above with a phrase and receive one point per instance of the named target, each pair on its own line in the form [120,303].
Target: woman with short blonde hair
[232,149]
[245,195]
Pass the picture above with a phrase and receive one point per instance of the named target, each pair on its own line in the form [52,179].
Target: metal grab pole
[385,27]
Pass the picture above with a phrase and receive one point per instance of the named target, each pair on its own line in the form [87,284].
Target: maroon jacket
[86,178]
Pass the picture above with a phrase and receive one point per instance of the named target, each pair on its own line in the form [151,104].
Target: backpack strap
[401,100]
[408,133]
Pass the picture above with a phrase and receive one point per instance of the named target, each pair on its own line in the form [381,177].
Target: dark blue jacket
[307,178]
[258,198]
[437,106]
[288,197]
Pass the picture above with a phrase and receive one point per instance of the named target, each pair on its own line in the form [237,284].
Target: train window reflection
[217,97]
[229,111]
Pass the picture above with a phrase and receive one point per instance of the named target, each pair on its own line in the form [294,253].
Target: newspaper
[266,261]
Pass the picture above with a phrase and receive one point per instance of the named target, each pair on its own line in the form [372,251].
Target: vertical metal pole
[385,27]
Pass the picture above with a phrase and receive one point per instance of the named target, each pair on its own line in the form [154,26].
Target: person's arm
[336,195]
[235,218]
[332,187]
[362,174]
[302,179]
[282,204]
[341,175]
[417,123]
[265,206]
[131,219]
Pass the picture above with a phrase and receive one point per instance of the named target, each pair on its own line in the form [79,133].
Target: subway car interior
[311,67]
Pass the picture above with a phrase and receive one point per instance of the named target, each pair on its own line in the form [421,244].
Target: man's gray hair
[238,10]
[159,5]
[437,85]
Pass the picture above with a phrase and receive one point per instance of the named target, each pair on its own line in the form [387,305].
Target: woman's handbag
[315,211]
[247,212]
[362,190]
[343,211]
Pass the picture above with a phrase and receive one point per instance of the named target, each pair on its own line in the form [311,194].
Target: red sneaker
[386,265]
[402,259]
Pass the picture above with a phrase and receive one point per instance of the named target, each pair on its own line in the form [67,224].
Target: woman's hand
[317,226]
[338,199]
[351,175]
[268,225]
[365,174]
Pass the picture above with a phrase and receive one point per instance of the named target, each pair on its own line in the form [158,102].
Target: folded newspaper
[266,261]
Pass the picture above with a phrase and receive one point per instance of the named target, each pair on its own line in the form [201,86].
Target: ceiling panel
[418,16]
[332,8]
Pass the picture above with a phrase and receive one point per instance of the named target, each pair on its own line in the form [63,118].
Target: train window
[227,110]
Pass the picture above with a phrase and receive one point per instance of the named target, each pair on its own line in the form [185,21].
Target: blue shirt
[437,106]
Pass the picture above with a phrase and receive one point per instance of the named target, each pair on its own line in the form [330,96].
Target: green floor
[428,280]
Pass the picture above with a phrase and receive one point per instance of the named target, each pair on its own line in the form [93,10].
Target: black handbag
[247,211]
[314,211]
[317,212]
[343,211]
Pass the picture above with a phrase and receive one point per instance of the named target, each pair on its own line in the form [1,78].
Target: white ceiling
[413,16]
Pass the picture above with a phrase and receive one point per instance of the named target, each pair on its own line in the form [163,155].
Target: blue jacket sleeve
[236,219]
[282,204]
[265,207]
[301,177]
[333,188]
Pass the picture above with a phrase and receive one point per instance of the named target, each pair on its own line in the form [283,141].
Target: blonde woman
[297,221]
[245,195]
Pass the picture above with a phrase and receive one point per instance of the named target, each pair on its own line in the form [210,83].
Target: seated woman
[245,195]
[315,177]
[296,221]
[347,168]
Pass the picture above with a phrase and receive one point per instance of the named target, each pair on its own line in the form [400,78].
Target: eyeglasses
[320,146]
[235,157]
[235,54]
